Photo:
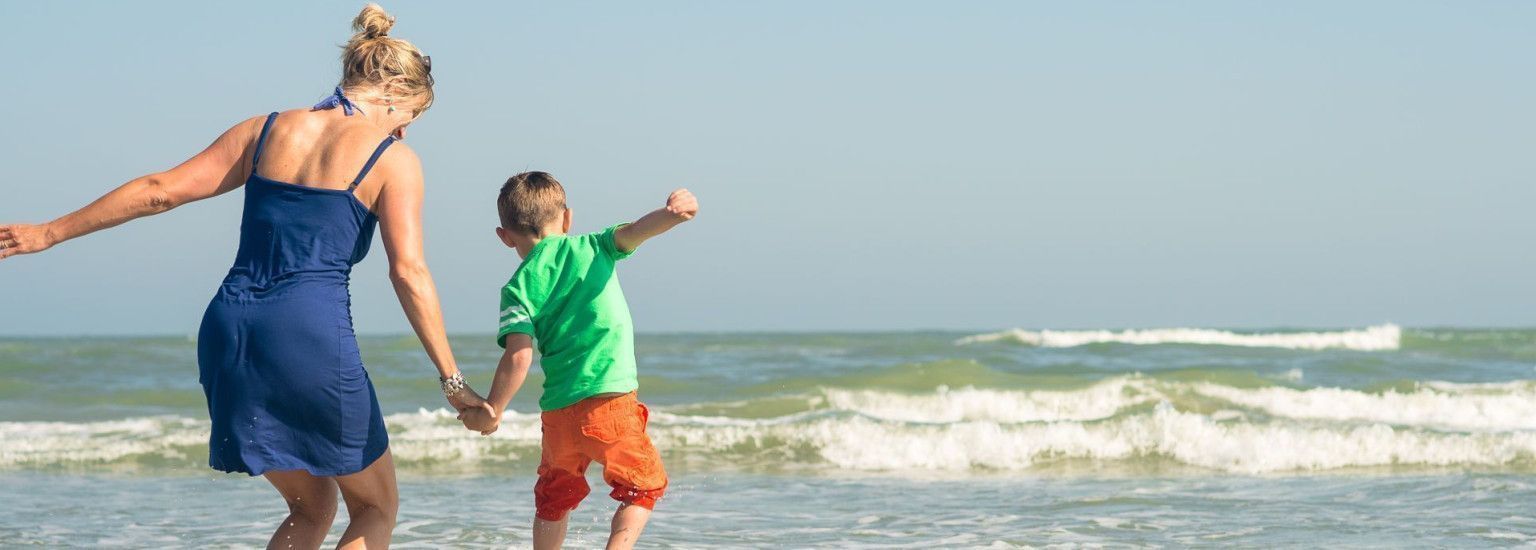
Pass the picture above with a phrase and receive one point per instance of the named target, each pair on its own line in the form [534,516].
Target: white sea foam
[436,436]
[47,443]
[1376,338]
[1244,430]
[1441,406]
[1514,386]
[1101,400]
[860,443]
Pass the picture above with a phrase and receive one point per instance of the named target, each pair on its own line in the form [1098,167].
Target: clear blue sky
[861,165]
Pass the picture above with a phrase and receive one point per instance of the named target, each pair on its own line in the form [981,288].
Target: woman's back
[303,221]
[320,148]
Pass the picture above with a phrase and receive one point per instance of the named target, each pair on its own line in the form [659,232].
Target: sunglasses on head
[426,62]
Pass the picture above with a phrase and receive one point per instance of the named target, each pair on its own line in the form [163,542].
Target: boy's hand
[481,419]
[681,207]
[682,204]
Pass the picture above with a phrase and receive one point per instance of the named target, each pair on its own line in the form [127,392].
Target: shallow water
[769,511]
[1378,437]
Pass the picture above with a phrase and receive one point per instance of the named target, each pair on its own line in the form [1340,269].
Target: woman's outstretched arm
[399,210]
[218,169]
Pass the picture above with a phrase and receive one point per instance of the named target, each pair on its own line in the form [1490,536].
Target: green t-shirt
[566,296]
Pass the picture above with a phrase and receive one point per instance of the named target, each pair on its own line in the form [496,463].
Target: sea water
[1369,437]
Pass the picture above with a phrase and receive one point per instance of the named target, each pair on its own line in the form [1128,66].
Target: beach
[1365,436]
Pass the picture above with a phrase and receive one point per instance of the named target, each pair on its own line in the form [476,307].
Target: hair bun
[373,22]
[375,65]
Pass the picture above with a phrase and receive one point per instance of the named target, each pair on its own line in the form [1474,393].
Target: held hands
[24,239]
[480,419]
[682,205]
[476,413]
[466,398]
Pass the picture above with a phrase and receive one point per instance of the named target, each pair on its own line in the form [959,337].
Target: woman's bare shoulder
[400,163]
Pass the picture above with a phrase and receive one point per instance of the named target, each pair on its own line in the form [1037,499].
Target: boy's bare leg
[628,522]
[549,535]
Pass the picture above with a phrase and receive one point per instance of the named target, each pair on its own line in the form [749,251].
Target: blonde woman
[287,392]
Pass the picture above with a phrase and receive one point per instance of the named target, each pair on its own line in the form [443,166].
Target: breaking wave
[1129,419]
[1376,338]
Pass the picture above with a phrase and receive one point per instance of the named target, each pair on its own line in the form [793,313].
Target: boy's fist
[682,204]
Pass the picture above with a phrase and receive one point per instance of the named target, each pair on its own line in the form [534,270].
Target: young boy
[566,296]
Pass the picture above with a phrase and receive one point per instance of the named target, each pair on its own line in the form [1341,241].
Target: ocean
[1365,437]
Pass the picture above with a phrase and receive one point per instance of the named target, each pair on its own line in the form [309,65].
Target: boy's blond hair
[530,201]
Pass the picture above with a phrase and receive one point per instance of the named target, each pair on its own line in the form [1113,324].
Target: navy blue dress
[276,354]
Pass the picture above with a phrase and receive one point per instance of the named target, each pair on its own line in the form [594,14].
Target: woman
[277,357]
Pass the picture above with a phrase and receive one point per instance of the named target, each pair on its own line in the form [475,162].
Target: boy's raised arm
[681,207]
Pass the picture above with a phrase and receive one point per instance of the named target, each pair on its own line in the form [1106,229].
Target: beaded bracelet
[452,385]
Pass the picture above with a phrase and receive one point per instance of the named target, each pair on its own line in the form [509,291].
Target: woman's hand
[466,399]
[24,239]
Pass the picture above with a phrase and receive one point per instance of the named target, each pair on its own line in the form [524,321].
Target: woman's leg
[372,502]
[311,509]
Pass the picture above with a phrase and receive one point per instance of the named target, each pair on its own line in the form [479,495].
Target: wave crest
[1376,338]
[1126,420]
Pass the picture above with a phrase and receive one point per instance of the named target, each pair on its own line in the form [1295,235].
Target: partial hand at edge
[24,239]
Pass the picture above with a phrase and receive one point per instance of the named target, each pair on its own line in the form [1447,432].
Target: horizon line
[787,332]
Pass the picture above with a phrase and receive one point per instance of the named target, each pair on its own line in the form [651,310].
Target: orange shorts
[609,430]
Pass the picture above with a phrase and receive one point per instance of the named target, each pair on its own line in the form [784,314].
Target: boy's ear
[505,236]
[566,228]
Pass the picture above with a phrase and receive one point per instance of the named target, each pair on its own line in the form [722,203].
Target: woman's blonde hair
[377,67]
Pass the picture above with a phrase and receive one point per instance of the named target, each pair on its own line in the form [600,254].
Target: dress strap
[262,140]
[375,158]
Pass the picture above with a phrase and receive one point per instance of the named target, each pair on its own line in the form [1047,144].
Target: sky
[860,165]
